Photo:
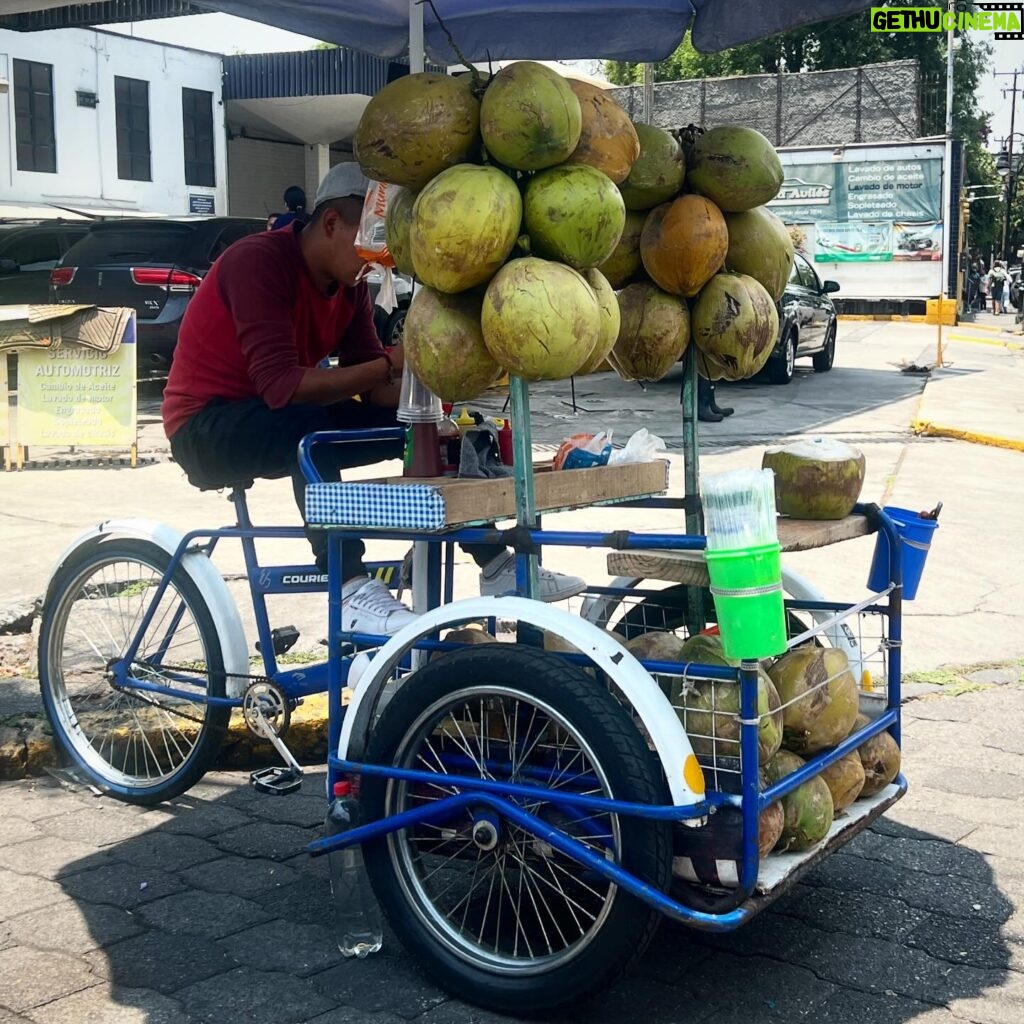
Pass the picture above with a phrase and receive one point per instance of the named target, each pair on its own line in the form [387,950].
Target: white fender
[633,680]
[203,573]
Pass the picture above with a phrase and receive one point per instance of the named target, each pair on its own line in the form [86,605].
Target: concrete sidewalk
[970,612]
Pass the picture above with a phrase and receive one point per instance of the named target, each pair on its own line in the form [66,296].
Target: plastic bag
[584,451]
[371,238]
[643,446]
[372,245]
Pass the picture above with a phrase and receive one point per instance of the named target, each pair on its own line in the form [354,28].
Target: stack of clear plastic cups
[417,403]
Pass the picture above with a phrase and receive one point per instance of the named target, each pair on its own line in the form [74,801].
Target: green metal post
[696,618]
[522,455]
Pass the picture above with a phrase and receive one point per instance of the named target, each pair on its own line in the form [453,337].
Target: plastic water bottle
[356,913]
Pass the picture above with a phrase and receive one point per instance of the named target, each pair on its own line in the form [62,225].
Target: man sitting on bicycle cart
[247,384]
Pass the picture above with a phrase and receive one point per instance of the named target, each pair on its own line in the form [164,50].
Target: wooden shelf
[441,503]
[688,566]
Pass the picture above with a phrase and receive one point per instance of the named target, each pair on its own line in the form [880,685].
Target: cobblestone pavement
[208,910]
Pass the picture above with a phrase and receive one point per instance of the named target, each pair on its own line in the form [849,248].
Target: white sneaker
[367,606]
[499,577]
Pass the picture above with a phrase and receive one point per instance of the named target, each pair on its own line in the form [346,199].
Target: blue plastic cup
[915,540]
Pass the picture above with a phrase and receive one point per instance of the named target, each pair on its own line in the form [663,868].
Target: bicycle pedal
[282,639]
[276,781]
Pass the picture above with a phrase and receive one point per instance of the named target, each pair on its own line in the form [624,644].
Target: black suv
[153,265]
[807,324]
[29,250]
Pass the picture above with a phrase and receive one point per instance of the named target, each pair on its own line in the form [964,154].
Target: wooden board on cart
[444,502]
[688,566]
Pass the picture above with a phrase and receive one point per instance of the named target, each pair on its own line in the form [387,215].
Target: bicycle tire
[625,768]
[110,576]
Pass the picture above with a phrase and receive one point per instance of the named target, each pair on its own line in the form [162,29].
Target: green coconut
[710,709]
[444,344]
[541,320]
[653,335]
[417,126]
[880,758]
[611,320]
[573,213]
[465,224]
[625,262]
[808,811]
[736,167]
[529,117]
[760,245]
[658,173]
[816,479]
[820,697]
[735,327]
[396,229]
[845,780]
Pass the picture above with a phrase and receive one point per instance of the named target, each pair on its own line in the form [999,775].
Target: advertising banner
[896,189]
[853,242]
[917,241]
[74,395]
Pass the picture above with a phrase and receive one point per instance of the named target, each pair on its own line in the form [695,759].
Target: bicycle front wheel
[140,746]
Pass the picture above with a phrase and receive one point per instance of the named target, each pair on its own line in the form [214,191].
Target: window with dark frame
[197,120]
[33,116]
[131,105]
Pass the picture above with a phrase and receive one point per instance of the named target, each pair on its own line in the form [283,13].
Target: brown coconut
[625,263]
[845,780]
[683,244]
[819,697]
[608,140]
[770,825]
[880,757]
[653,333]
[466,635]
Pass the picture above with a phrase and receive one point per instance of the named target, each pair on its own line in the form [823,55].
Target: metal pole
[947,187]
[416,46]
[648,106]
[1010,178]
[522,464]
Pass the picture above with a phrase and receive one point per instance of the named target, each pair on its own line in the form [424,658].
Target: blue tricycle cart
[530,807]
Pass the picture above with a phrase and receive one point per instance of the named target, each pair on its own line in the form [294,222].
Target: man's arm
[322,385]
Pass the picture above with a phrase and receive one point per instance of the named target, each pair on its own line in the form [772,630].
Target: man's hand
[397,354]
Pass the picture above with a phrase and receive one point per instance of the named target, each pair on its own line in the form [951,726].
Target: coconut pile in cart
[550,234]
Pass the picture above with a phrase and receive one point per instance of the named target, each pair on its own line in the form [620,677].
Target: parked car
[29,250]
[153,265]
[807,324]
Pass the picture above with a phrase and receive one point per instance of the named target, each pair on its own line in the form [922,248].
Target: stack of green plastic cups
[744,564]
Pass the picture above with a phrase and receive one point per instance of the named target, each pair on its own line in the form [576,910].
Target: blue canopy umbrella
[633,30]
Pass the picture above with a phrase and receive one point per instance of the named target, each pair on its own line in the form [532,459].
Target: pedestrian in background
[295,204]
[997,287]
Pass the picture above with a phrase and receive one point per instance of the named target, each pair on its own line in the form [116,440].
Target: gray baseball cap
[340,181]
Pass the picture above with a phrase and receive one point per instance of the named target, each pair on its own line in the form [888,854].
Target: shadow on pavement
[208,910]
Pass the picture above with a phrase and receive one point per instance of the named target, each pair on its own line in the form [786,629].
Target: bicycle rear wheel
[498,914]
[141,746]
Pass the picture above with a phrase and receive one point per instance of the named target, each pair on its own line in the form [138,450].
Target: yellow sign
[74,395]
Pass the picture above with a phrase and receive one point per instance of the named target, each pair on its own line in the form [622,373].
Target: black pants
[228,443]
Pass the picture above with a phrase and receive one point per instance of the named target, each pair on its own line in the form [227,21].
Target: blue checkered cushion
[384,506]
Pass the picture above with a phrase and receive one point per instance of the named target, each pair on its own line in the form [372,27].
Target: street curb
[924,428]
[27,748]
[995,342]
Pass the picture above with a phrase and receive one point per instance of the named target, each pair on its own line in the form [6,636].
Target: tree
[847,43]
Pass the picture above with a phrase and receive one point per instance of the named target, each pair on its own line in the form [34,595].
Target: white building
[92,120]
